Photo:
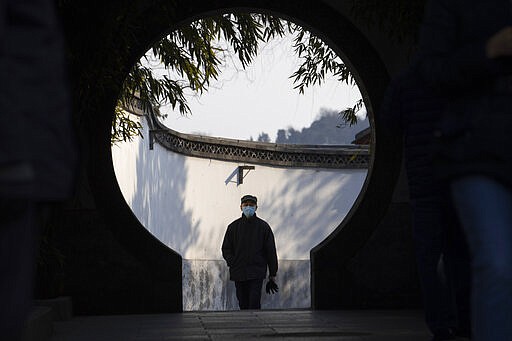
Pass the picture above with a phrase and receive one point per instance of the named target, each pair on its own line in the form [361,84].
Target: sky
[243,103]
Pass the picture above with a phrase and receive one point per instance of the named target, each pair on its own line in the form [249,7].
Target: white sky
[244,103]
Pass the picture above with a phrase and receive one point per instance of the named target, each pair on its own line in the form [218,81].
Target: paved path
[271,325]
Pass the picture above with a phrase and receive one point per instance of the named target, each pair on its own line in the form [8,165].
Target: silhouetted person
[464,55]
[37,155]
[412,109]
[249,248]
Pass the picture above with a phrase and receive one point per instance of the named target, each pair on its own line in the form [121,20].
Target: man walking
[37,147]
[249,248]
[465,54]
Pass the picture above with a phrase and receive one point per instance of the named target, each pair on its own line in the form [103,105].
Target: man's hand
[271,287]
[500,44]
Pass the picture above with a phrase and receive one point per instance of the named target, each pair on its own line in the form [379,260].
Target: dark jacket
[248,248]
[37,147]
[412,109]
[474,130]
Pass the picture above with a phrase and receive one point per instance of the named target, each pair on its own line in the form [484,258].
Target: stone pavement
[401,325]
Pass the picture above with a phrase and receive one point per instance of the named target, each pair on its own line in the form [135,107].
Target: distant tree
[281,136]
[323,130]
[263,137]
[293,135]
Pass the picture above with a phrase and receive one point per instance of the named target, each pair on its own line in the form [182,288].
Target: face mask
[249,211]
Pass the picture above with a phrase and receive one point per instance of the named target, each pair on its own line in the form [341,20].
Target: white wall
[187,202]
[206,286]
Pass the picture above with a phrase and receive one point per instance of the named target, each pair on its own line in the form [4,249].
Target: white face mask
[249,211]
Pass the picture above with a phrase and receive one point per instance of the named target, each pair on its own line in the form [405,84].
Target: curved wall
[187,202]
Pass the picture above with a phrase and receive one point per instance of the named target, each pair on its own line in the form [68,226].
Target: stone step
[62,307]
[39,326]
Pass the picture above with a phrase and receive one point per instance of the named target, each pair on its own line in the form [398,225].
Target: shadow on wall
[303,209]
[206,286]
[187,202]
[326,198]
[163,191]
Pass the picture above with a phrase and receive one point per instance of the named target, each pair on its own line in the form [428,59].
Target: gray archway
[162,292]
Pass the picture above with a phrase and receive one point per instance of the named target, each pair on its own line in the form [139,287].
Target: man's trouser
[248,293]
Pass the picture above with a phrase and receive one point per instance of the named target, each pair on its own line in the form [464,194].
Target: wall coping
[263,153]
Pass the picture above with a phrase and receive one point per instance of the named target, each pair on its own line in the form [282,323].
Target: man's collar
[243,216]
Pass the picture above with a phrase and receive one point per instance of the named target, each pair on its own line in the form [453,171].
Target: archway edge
[329,257]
